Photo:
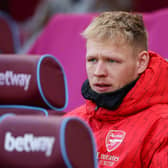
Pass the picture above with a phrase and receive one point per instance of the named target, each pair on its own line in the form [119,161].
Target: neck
[110,100]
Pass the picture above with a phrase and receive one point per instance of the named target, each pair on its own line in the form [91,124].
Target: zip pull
[96,108]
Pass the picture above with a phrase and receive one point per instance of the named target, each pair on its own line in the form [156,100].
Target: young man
[126,94]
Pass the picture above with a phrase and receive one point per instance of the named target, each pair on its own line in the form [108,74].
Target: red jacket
[136,134]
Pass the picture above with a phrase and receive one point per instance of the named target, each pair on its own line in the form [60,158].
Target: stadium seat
[45,142]
[33,132]
[32,83]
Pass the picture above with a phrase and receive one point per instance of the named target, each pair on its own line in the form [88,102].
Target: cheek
[128,74]
[123,73]
[116,71]
[89,70]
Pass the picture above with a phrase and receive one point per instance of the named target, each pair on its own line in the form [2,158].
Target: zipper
[96,108]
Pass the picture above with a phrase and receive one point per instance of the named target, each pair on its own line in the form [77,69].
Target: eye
[111,60]
[91,59]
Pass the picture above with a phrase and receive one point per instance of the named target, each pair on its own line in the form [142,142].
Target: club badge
[113,139]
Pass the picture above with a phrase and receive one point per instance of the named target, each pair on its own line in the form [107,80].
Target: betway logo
[9,78]
[29,143]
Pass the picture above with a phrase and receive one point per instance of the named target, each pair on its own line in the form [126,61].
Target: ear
[142,62]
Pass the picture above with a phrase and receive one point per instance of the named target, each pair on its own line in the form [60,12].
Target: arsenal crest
[113,139]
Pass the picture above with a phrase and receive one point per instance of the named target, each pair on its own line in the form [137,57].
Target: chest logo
[113,139]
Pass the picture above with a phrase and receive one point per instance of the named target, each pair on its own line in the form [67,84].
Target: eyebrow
[106,57]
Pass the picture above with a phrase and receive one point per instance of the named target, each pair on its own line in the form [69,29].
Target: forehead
[108,48]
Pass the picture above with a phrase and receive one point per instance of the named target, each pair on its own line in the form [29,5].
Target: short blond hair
[129,27]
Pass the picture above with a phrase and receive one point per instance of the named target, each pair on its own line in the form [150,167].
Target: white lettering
[109,157]
[9,78]
[29,143]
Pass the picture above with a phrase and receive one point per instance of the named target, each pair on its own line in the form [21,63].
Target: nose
[100,69]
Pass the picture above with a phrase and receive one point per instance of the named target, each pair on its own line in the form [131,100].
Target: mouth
[101,87]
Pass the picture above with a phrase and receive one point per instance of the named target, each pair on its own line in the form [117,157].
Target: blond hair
[128,27]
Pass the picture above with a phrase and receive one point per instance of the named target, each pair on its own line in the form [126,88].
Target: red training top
[136,134]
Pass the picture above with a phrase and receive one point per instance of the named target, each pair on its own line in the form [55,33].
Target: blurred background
[28,18]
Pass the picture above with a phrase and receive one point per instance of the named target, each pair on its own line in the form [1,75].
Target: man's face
[110,66]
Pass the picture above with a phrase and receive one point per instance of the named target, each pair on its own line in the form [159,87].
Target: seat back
[40,142]
[32,84]
[9,33]
[157,26]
